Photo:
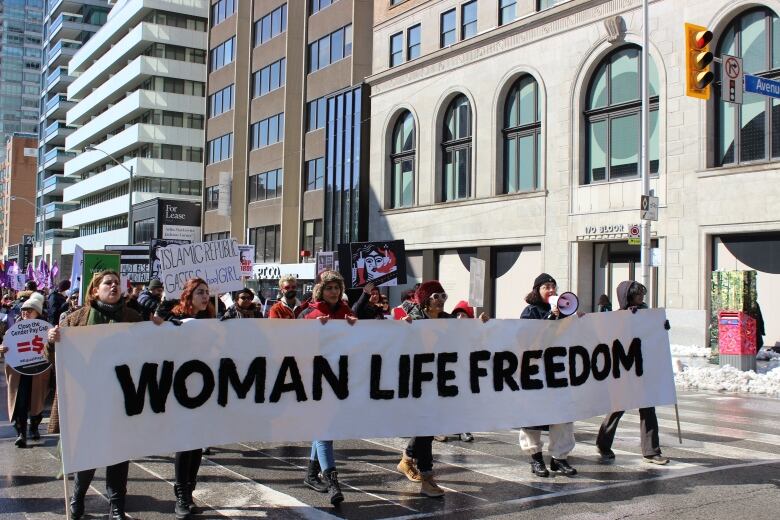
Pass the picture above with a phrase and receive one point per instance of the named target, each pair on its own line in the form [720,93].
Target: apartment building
[17,194]
[286,127]
[139,92]
[509,131]
[68,24]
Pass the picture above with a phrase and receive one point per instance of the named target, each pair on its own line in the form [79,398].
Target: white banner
[218,262]
[210,383]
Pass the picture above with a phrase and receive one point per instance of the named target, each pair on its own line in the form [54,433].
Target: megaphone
[567,303]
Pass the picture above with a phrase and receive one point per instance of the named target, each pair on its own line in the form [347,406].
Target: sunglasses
[439,296]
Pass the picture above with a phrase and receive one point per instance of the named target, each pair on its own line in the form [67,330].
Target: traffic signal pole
[644,149]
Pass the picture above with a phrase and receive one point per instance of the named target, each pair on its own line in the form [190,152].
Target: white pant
[561,440]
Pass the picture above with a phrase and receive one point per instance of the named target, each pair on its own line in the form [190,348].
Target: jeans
[323,451]
[421,448]
[186,466]
[648,431]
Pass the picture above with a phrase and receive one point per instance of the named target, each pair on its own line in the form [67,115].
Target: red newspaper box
[736,333]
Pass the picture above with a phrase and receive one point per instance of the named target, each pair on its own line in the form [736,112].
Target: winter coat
[57,305]
[539,311]
[234,312]
[417,313]
[622,295]
[280,310]
[40,390]
[365,310]
[148,303]
[322,308]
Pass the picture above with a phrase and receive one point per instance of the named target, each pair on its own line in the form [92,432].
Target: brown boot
[429,487]
[408,468]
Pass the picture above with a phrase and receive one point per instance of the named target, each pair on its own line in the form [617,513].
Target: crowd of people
[105,301]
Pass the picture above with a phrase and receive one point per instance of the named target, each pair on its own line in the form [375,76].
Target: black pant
[187,465]
[421,448]
[23,400]
[648,431]
[116,483]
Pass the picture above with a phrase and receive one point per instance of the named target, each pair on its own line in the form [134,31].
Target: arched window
[522,137]
[402,162]
[613,120]
[751,131]
[456,150]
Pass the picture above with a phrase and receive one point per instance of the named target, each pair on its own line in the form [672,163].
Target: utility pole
[644,155]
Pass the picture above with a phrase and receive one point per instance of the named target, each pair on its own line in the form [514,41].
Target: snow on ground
[690,351]
[728,379]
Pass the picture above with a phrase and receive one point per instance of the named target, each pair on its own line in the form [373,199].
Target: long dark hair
[534,298]
[604,300]
[184,307]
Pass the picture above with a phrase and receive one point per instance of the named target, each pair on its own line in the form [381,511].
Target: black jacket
[365,310]
[57,305]
[539,311]
[233,312]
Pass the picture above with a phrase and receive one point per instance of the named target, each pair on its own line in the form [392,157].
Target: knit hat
[543,279]
[63,286]
[464,307]
[34,302]
[155,284]
[426,289]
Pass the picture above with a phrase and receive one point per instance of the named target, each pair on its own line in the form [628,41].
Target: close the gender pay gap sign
[218,262]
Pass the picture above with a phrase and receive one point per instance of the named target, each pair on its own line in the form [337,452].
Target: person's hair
[603,300]
[534,298]
[31,285]
[408,295]
[64,285]
[458,310]
[325,278]
[184,307]
[635,290]
[97,279]
[284,280]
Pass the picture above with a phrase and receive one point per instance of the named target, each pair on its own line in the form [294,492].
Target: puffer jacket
[322,308]
[416,312]
[539,311]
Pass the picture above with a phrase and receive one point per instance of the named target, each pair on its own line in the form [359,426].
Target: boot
[21,432]
[117,510]
[537,465]
[77,503]
[181,509]
[562,466]
[334,490]
[188,497]
[313,477]
[409,468]
[429,487]
[34,422]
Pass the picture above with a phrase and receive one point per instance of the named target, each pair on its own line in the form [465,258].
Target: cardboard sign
[26,340]
[325,261]
[17,281]
[134,262]
[154,246]
[247,253]
[94,262]
[381,263]
[218,262]
[77,270]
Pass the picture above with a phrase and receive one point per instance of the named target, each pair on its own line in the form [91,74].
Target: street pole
[130,207]
[644,156]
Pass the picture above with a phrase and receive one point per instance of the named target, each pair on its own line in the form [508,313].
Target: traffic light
[698,57]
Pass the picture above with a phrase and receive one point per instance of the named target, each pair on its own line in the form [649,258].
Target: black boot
[117,509]
[77,503]
[334,490]
[21,433]
[562,466]
[313,477]
[34,422]
[181,509]
[537,465]
[190,489]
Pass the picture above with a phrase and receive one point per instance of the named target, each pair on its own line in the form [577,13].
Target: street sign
[476,282]
[732,79]
[634,236]
[763,86]
[648,208]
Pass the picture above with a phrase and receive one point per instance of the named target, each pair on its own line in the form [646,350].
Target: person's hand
[556,312]
[666,325]
[484,317]
[633,309]
[461,315]
[3,349]
[157,320]
[176,322]
[368,288]
[407,319]
[351,320]
[54,334]
[323,319]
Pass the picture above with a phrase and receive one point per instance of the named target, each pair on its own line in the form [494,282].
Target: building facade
[509,131]
[139,93]
[17,193]
[285,128]
[21,34]
[68,24]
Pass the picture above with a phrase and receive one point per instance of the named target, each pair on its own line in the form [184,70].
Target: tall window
[468,20]
[413,42]
[402,160]
[612,118]
[506,11]
[312,236]
[266,242]
[456,150]
[396,49]
[751,131]
[315,174]
[522,137]
[448,34]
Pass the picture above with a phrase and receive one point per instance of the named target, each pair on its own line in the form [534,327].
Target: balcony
[62,52]
[62,234]
[55,133]
[55,210]
[58,106]
[55,185]
[58,78]
[69,26]
[55,159]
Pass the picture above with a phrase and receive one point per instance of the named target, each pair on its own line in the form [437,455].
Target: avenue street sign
[763,86]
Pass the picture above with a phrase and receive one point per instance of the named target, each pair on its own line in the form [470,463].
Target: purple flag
[55,270]
[30,271]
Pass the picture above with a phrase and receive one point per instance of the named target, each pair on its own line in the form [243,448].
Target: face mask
[290,294]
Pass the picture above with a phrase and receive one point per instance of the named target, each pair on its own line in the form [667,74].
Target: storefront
[265,278]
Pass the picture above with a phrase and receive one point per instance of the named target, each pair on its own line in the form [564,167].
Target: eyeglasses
[439,296]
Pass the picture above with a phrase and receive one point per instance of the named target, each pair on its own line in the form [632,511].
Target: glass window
[522,137]
[314,56]
[324,51]
[413,42]
[396,49]
[337,46]
[506,11]
[448,35]
[468,20]
[402,159]
[348,40]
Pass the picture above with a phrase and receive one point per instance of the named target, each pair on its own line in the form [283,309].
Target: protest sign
[133,262]
[325,261]
[77,270]
[381,263]
[94,262]
[17,281]
[217,262]
[247,253]
[476,282]
[154,246]
[205,383]
[26,340]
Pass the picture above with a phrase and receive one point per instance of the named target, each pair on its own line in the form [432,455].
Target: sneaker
[656,459]
[429,487]
[408,468]
[562,466]
[537,466]
[440,438]
[466,437]
[607,455]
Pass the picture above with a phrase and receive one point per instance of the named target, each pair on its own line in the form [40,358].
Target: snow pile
[690,351]
[767,355]
[729,379]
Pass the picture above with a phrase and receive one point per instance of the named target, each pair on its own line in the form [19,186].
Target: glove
[633,310]
[666,325]
[175,322]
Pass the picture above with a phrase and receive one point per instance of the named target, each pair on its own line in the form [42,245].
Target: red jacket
[322,308]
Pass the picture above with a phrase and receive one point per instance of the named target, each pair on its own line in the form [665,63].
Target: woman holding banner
[561,435]
[27,393]
[104,305]
[193,303]
[326,304]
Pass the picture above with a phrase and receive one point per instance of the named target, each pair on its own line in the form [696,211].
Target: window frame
[400,156]
[396,55]
[455,145]
[454,30]
[519,131]
[410,45]
[464,24]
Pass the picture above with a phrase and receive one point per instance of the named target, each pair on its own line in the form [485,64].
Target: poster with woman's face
[380,263]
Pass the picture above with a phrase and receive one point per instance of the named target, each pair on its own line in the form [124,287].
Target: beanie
[34,302]
[63,286]
[543,279]
[464,307]
[426,289]
[155,284]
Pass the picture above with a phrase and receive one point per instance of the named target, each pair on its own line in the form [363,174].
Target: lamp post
[43,222]
[129,190]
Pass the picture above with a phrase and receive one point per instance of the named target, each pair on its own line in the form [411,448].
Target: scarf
[106,312]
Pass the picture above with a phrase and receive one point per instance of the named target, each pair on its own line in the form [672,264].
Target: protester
[462,309]
[604,305]
[29,288]
[104,305]
[327,304]
[289,306]
[150,299]
[384,304]
[26,394]
[71,306]
[368,306]
[561,435]
[195,303]
[244,306]
[132,298]
[58,301]
[631,295]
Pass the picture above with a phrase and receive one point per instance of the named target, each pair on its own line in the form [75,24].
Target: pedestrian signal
[698,58]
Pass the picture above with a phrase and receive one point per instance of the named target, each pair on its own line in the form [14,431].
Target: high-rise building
[21,33]
[138,88]
[68,24]
[285,128]
[17,194]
